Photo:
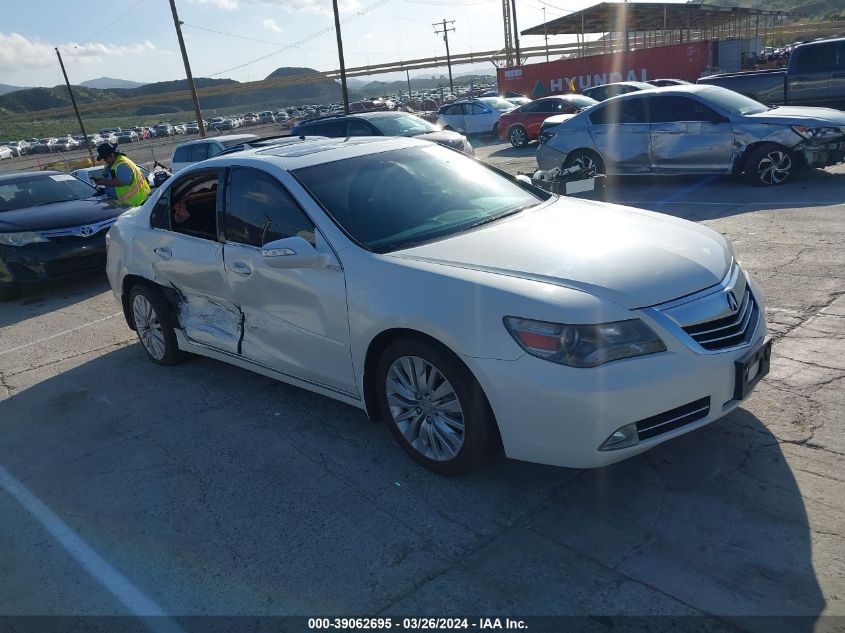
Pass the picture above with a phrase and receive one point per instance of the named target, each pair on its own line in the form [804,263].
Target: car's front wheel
[769,164]
[518,136]
[151,316]
[434,406]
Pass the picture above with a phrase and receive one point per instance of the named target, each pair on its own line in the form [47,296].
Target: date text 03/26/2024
[415,624]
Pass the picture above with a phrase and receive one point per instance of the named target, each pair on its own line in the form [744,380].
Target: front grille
[72,265]
[65,239]
[77,233]
[671,420]
[728,331]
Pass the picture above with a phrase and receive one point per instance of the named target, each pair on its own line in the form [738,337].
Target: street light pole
[343,88]
[445,33]
[193,88]
[75,107]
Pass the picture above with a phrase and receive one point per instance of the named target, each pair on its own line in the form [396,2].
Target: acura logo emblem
[732,302]
[88,231]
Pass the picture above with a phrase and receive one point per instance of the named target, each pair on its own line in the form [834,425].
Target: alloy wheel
[774,168]
[425,408]
[586,163]
[518,137]
[148,327]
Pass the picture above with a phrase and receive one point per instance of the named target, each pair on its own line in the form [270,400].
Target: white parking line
[52,336]
[132,598]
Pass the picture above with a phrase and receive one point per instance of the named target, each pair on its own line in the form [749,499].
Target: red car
[523,124]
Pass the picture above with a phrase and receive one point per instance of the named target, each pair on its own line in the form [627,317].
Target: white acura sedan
[463,307]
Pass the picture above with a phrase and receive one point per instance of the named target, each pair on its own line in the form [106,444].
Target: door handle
[240,268]
[669,131]
[163,252]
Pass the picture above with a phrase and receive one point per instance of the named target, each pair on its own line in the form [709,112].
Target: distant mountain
[104,83]
[5,88]
[320,91]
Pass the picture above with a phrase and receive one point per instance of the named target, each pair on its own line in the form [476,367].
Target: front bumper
[48,260]
[822,154]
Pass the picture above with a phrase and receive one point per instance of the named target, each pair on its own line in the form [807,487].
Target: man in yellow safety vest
[130,186]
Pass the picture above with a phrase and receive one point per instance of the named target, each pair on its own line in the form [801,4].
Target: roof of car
[17,174]
[310,152]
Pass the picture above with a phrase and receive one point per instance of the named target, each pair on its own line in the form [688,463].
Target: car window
[475,108]
[333,129]
[182,154]
[817,58]
[670,109]
[393,199]
[358,128]
[199,152]
[621,111]
[454,109]
[260,210]
[191,206]
[535,106]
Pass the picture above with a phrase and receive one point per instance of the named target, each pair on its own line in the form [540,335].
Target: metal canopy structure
[647,16]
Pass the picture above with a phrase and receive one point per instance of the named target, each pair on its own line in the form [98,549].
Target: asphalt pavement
[204,489]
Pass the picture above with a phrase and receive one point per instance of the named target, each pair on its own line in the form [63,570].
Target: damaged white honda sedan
[463,307]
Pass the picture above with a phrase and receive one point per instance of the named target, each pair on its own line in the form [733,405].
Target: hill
[31,99]
[6,88]
[104,83]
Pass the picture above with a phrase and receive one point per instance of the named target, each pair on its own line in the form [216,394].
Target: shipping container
[679,61]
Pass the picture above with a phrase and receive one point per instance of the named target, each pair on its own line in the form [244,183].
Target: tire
[151,315]
[495,131]
[768,165]
[586,158]
[518,136]
[448,433]
[9,292]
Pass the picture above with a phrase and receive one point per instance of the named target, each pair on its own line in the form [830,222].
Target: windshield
[395,199]
[498,103]
[407,125]
[582,102]
[34,191]
[733,101]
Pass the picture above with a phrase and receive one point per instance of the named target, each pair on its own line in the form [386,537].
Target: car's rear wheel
[518,136]
[151,316]
[587,160]
[769,164]
[434,407]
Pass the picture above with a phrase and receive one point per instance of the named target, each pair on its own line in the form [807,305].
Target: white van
[194,151]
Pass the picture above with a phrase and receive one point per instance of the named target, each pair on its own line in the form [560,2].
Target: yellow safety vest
[133,194]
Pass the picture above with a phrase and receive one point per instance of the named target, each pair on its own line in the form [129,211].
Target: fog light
[621,438]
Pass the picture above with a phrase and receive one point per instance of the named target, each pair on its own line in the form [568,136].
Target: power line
[296,44]
[240,37]
[120,17]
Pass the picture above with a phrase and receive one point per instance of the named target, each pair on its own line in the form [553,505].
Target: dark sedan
[52,225]
[382,124]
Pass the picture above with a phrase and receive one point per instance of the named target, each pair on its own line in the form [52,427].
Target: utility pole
[193,88]
[445,33]
[408,77]
[515,34]
[343,89]
[75,107]
[546,34]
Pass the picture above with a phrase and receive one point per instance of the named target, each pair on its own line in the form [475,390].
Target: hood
[444,137]
[801,115]
[60,215]
[632,257]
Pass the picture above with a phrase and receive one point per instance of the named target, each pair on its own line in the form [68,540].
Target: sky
[136,39]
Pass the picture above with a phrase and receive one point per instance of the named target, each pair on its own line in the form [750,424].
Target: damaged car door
[688,137]
[187,255]
[287,281]
[622,134]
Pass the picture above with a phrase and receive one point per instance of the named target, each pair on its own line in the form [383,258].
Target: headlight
[21,239]
[817,132]
[584,345]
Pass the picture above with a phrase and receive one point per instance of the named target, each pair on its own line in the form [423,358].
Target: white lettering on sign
[564,84]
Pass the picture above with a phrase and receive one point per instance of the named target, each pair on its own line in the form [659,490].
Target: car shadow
[215,490]
[510,151]
[46,297]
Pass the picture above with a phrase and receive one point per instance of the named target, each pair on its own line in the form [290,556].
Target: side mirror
[291,252]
